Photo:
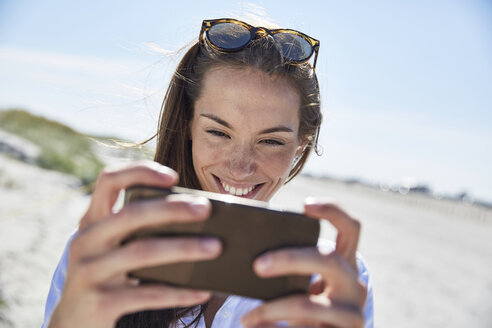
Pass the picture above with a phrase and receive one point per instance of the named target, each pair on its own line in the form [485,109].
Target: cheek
[205,153]
[277,164]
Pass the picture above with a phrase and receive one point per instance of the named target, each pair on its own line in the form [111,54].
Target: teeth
[238,191]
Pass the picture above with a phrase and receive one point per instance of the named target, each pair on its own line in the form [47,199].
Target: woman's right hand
[97,291]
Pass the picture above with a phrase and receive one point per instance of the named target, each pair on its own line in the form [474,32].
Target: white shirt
[229,314]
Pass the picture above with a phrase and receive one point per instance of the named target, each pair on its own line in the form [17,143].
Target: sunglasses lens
[229,36]
[293,46]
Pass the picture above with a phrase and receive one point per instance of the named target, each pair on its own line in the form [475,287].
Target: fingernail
[164,170]
[264,263]
[311,201]
[199,205]
[210,245]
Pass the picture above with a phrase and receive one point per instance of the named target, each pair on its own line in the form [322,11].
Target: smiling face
[244,132]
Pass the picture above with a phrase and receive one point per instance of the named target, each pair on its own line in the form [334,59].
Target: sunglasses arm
[315,58]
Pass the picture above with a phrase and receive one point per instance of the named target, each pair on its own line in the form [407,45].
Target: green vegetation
[62,148]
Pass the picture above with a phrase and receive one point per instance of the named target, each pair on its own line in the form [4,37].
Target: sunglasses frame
[262,32]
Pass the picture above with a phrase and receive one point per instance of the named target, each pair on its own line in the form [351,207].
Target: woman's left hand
[336,299]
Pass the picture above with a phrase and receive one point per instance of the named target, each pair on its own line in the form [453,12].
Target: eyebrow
[217,119]
[280,128]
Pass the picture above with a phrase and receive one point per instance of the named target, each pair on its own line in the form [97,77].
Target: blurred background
[405,84]
[407,139]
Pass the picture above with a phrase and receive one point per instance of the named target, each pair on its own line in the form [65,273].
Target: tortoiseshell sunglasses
[229,35]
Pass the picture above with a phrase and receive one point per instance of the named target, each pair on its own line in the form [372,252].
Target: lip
[250,195]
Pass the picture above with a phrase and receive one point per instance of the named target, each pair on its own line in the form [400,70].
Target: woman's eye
[217,133]
[273,142]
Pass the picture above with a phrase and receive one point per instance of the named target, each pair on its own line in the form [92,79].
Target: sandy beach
[430,260]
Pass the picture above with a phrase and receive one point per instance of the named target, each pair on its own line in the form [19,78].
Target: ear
[302,147]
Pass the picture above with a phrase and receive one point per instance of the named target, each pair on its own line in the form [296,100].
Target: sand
[430,260]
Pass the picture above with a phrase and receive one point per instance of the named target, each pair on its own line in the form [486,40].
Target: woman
[240,116]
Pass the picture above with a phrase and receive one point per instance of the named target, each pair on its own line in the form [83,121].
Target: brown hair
[173,135]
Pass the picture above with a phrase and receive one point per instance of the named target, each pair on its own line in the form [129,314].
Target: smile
[247,191]
[238,191]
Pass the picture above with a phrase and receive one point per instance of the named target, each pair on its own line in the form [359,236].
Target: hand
[336,299]
[97,291]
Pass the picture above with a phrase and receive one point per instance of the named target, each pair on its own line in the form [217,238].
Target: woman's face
[244,132]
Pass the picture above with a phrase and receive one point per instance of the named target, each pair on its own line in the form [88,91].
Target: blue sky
[405,84]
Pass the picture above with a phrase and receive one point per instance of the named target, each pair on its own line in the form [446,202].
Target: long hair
[174,137]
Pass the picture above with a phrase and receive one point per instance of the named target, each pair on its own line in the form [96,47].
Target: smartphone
[247,228]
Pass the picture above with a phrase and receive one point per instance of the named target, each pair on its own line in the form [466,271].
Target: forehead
[249,95]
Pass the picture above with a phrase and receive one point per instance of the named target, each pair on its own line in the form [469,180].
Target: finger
[336,271]
[108,233]
[147,253]
[348,228]
[302,261]
[308,310]
[110,183]
[128,300]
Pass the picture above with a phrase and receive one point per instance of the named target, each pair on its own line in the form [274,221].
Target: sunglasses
[231,35]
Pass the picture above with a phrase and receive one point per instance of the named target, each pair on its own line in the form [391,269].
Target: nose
[241,162]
